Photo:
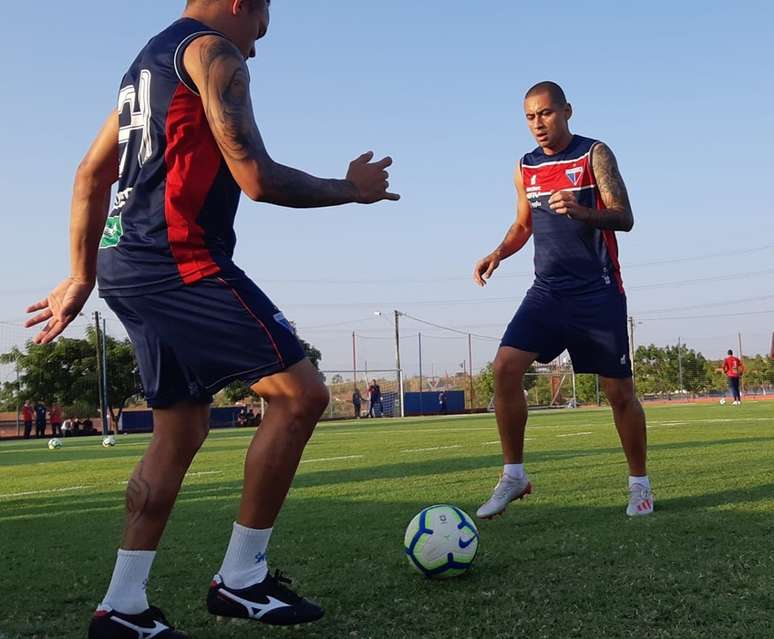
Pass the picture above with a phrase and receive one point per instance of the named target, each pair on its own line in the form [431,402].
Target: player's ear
[568,110]
[236,6]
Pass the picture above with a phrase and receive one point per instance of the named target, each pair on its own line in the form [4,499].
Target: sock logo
[260,558]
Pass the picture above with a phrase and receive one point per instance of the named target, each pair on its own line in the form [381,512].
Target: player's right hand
[485,267]
[59,309]
[370,179]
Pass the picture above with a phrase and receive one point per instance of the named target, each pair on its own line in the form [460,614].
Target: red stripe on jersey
[193,161]
[612,248]
[560,176]
[236,294]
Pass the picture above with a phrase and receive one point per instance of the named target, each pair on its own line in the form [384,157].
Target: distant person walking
[40,420]
[443,404]
[733,368]
[375,393]
[27,414]
[357,402]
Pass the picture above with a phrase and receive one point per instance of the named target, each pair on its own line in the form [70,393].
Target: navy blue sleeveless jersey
[172,223]
[570,256]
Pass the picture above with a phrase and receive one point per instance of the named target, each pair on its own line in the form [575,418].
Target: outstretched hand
[59,309]
[370,179]
[485,267]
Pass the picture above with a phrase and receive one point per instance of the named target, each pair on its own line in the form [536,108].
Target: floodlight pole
[397,362]
[105,395]
[354,363]
[100,367]
[631,344]
[470,368]
[421,408]
[741,377]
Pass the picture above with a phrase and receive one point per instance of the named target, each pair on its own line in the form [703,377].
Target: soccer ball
[441,541]
[723,401]
[54,443]
[109,441]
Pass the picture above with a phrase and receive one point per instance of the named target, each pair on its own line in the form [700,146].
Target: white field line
[327,459]
[198,474]
[406,429]
[575,434]
[40,492]
[424,450]
[497,441]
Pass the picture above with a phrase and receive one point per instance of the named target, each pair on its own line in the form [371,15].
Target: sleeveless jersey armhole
[180,71]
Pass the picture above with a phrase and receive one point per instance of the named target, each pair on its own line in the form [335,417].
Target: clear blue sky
[682,92]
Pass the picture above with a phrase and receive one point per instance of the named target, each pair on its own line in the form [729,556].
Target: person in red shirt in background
[733,369]
[27,419]
[55,415]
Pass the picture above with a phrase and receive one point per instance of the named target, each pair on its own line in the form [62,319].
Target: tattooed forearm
[229,110]
[617,215]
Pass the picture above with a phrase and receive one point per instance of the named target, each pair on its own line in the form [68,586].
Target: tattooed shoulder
[609,179]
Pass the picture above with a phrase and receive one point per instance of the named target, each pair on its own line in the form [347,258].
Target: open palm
[59,309]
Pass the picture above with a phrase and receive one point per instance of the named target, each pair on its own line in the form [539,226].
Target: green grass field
[564,563]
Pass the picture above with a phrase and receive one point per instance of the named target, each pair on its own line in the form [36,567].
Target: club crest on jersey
[282,321]
[112,233]
[574,174]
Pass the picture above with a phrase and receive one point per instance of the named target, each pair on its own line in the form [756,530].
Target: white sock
[245,561]
[126,592]
[514,470]
[642,481]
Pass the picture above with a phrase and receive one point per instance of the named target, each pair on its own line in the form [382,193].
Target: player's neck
[559,145]
[208,18]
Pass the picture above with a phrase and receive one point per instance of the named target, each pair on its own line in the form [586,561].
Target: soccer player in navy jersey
[183,145]
[571,199]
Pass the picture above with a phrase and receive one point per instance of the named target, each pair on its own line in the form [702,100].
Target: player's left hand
[59,309]
[565,203]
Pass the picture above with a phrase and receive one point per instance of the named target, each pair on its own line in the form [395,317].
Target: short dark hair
[253,4]
[730,352]
[554,91]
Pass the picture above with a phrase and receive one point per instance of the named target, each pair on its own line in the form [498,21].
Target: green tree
[484,383]
[758,372]
[65,372]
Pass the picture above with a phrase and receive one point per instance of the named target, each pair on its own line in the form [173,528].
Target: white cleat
[640,501]
[508,489]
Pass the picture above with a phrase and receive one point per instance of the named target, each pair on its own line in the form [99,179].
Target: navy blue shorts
[193,341]
[591,327]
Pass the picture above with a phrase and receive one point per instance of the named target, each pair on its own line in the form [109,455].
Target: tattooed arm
[617,216]
[219,71]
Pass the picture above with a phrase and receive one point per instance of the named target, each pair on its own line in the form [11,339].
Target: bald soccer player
[571,199]
[183,145]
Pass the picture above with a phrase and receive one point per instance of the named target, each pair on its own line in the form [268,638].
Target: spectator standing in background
[55,415]
[733,368]
[375,393]
[40,420]
[27,419]
[357,401]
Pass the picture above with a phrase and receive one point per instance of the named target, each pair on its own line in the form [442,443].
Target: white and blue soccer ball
[441,542]
[723,401]
[54,443]
[109,441]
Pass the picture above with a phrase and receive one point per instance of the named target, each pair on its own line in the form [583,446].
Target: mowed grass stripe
[564,563]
